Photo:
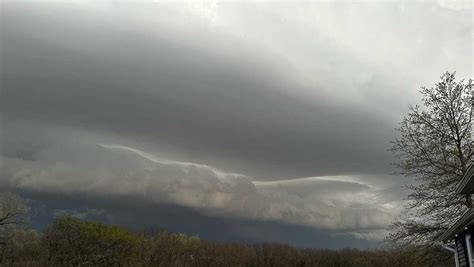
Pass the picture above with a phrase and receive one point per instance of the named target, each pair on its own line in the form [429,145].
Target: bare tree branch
[435,147]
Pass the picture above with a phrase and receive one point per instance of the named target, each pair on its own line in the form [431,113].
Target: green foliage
[71,241]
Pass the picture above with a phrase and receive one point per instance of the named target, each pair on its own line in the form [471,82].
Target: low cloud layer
[346,204]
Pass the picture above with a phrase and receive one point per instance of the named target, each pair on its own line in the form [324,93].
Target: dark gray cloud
[118,79]
[274,92]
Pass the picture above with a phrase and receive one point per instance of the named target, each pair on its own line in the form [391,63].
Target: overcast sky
[249,121]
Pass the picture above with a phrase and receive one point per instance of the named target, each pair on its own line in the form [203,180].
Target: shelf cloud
[266,112]
[336,203]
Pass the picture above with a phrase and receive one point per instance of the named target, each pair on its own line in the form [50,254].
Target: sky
[252,121]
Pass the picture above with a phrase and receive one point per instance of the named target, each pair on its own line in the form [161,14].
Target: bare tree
[435,147]
[13,213]
[12,209]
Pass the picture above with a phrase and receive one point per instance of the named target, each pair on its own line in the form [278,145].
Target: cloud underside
[343,204]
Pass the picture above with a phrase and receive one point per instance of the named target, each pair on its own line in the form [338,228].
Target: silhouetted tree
[13,213]
[12,210]
[435,147]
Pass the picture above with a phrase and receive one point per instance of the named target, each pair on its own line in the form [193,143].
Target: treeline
[74,242]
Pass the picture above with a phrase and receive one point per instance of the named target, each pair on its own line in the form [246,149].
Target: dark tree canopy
[435,147]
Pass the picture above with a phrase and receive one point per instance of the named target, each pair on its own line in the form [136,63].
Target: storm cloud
[263,112]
